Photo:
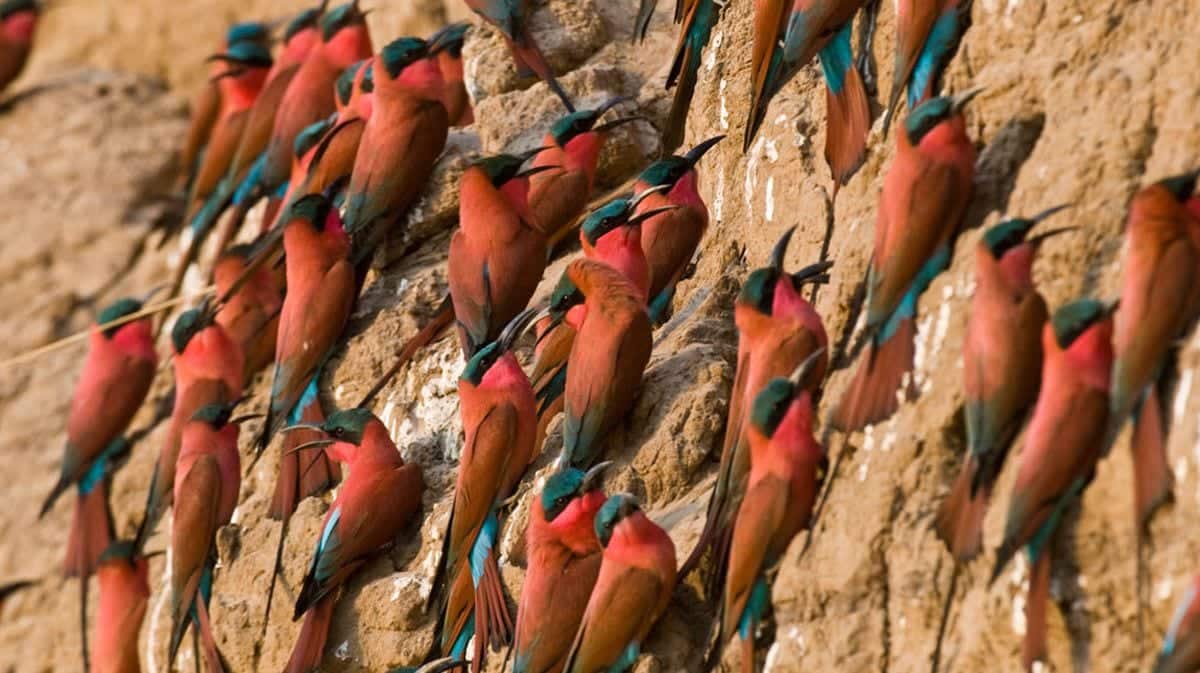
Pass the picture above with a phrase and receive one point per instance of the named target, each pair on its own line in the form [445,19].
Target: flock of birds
[340,139]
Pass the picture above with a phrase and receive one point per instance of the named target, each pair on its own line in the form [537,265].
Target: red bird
[497,256]
[447,43]
[924,198]
[18,21]
[777,330]
[510,17]
[637,576]
[209,369]
[563,562]
[124,591]
[378,499]
[116,377]
[251,315]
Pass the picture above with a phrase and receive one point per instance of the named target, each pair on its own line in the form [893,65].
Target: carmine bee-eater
[447,43]
[1160,299]
[670,238]
[927,33]
[244,174]
[556,198]
[787,35]
[207,480]
[309,98]
[924,198]
[497,256]
[334,157]
[247,65]
[611,349]
[1062,446]
[251,314]
[697,18]
[379,497]
[1180,651]
[207,100]
[400,142]
[18,22]
[116,377]
[777,330]
[564,556]
[321,293]
[124,591]
[499,422]
[510,17]
[209,369]
[1002,364]
[787,467]
[611,234]
[637,576]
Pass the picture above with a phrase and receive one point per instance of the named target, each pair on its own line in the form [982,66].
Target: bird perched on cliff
[496,256]
[1002,364]
[787,35]
[244,173]
[637,576]
[611,349]
[207,481]
[18,23]
[113,383]
[207,101]
[510,17]
[927,35]
[321,294]
[1062,447]
[1160,301]
[379,497]
[251,314]
[1180,651]
[124,591]
[787,467]
[333,157]
[209,369]
[309,98]
[447,45]
[573,145]
[564,557]
[499,422]
[611,234]
[670,238]
[777,330]
[401,141]
[925,195]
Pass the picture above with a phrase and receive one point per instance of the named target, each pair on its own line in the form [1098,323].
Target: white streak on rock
[769,211]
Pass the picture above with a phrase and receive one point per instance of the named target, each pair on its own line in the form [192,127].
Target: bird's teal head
[1013,232]
[771,404]
[928,115]
[367,85]
[1182,187]
[342,16]
[449,39]
[115,311]
[309,18]
[614,511]
[190,323]
[401,53]
[500,168]
[348,425]
[620,212]
[310,136]
[490,354]
[215,415]
[1072,320]
[759,289]
[10,7]
[577,123]
[245,54]
[313,209]
[670,170]
[567,484]
[566,296]
[118,551]
[247,31]
[344,86]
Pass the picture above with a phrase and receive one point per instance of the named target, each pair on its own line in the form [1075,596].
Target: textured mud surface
[1084,102]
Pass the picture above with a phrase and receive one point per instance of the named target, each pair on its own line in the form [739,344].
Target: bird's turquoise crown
[1072,320]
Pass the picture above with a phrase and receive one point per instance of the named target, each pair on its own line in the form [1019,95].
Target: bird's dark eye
[337,432]
[561,502]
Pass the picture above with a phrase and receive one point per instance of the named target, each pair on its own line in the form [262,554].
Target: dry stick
[937,648]
[80,336]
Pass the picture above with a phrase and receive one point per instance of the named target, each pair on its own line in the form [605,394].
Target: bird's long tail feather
[848,113]
[310,645]
[1152,474]
[1034,647]
[530,60]
[872,394]
[91,532]
[213,660]
[959,521]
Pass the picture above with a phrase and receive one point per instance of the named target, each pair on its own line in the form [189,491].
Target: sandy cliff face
[1083,103]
